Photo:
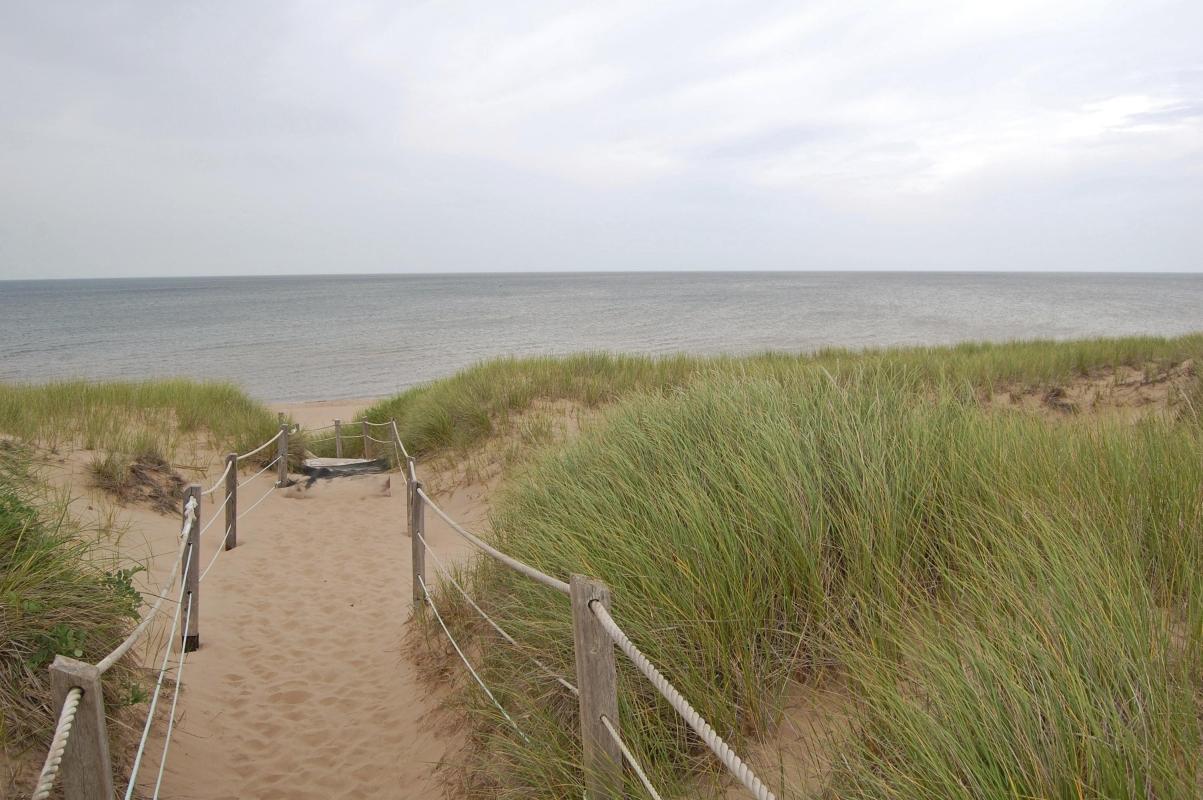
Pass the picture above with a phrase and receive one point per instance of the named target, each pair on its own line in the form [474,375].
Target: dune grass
[1014,606]
[61,592]
[459,412]
[133,417]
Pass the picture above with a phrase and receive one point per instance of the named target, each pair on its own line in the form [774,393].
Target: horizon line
[856,270]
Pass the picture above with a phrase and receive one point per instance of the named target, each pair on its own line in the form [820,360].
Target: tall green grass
[461,411]
[127,419]
[1014,604]
[60,593]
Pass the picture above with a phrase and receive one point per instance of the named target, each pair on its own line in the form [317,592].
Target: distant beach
[288,339]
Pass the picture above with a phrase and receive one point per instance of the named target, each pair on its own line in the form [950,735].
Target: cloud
[364,136]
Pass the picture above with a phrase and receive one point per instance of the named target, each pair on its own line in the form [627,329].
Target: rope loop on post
[58,745]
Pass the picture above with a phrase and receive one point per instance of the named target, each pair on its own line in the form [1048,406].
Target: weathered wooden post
[282,464]
[231,501]
[597,681]
[87,771]
[367,442]
[417,530]
[191,566]
[338,438]
[411,479]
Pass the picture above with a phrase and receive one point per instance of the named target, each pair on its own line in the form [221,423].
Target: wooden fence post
[411,478]
[338,438]
[282,464]
[367,443]
[597,681]
[231,501]
[417,530]
[87,771]
[191,563]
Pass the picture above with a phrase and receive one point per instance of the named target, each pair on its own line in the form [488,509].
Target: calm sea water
[310,338]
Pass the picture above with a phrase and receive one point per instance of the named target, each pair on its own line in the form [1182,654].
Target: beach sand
[301,688]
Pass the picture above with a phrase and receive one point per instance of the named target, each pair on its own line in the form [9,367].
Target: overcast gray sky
[163,138]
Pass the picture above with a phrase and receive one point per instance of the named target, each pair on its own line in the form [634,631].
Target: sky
[164,138]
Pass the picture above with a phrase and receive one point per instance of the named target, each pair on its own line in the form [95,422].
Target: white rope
[462,657]
[513,563]
[220,548]
[256,503]
[270,464]
[374,439]
[58,745]
[445,573]
[214,517]
[154,700]
[179,679]
[700,726]
[247,455]
[375,424]
[639,773]
[397,435]
[121,649]
[221,478]
[401,465]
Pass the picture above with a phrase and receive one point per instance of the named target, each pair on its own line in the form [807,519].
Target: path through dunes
[300,688]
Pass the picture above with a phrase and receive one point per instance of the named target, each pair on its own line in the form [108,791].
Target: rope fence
[596,636]
[84,764]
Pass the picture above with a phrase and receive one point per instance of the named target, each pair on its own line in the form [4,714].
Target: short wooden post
[367,443]
[338,438]
[86,772]
[597,681]
[191,566]
[231,501]
[417,530]
[282,464]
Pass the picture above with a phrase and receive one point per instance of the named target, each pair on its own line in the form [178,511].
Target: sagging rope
[397,436]
[121,649]
[630,757]
[58,745]
[512,563]
[270,464]
[214,516]
[154,700]
[445,573]
[220,549]
[464,658]
[220,480]
[256,503]
[734,764]
[244,456]
[179,679]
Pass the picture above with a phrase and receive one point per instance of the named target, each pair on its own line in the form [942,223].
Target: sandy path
[300,688]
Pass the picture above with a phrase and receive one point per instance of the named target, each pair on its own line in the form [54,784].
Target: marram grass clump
[134,418]
[1013,604]
[61,592]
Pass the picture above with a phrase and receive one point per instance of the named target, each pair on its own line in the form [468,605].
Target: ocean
[288,339]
